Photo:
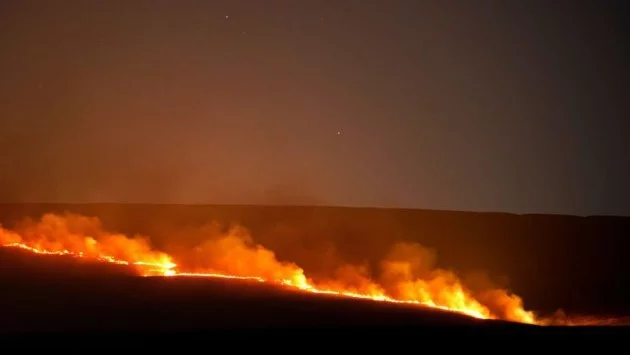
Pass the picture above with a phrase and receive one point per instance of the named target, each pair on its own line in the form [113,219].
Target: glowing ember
[235,256]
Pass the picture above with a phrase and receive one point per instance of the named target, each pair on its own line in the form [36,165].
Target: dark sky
[515,106]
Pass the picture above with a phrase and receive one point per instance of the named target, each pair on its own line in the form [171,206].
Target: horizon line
[280,205]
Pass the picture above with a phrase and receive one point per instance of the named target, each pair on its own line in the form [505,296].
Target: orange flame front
[407,276]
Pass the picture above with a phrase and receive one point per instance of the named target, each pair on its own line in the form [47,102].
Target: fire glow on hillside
[406,276]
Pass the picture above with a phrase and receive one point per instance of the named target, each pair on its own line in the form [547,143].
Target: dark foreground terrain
[71,298]
[55,293]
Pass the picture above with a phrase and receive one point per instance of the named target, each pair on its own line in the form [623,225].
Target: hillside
[53,293]
[574,263]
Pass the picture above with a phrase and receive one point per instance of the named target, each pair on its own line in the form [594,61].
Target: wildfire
[407,276]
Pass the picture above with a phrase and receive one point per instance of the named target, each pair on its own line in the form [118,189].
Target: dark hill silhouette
[56,293]
[569,262]
[96,302]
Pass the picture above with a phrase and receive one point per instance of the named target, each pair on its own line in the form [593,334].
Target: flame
[57,235]
[408,273]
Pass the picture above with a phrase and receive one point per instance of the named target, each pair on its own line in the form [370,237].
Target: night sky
[513,106]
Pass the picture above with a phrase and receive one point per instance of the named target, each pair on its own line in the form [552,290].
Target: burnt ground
[65,297]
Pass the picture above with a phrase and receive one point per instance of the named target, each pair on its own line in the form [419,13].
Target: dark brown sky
[517,106]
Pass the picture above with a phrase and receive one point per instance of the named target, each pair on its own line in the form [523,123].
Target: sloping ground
[96,302]
[103,305]
[52,293]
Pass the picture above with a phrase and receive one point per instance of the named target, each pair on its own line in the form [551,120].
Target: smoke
[233,252]
[560,318]
[290,194]
[407,272]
